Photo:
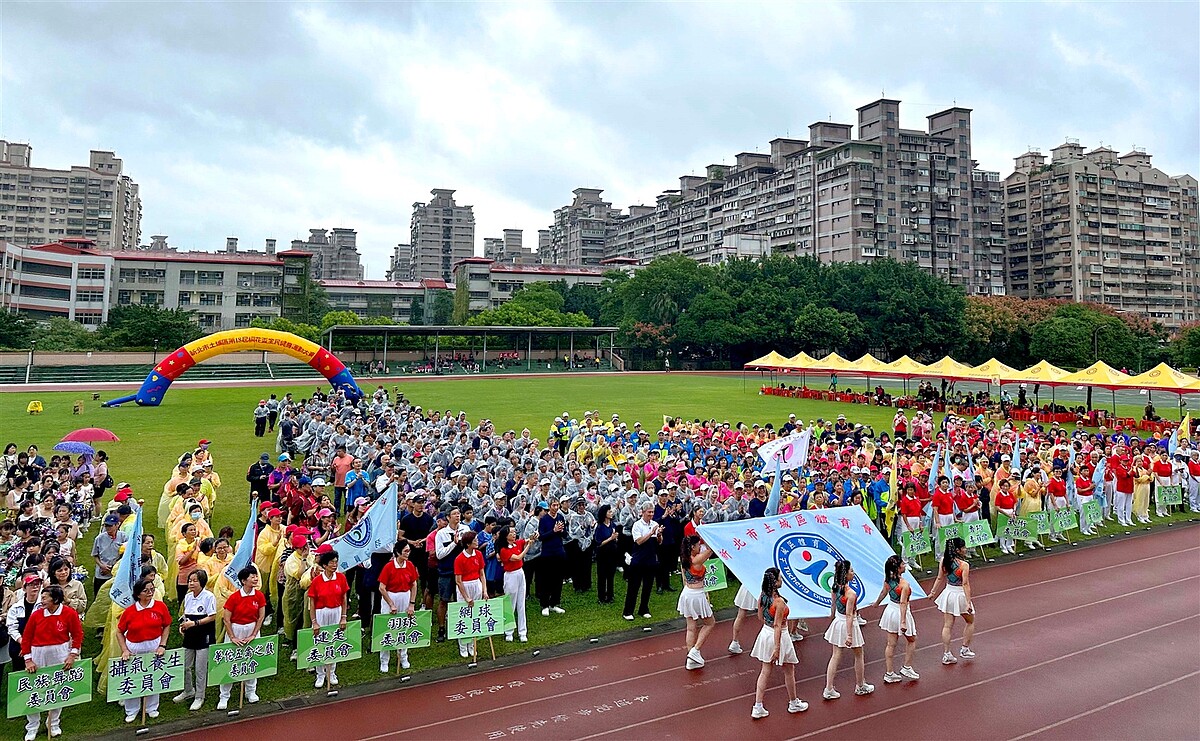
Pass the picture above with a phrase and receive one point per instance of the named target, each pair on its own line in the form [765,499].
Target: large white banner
[790,452]
[804,546]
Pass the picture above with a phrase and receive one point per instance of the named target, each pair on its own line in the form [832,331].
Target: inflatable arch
[174,365]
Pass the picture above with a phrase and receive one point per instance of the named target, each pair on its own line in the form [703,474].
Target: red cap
[275,513]
[324,548]
[204,442]
[299,541]
[265,506]
[121,496]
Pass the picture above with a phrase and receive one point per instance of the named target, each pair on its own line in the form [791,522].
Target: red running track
[1099,642]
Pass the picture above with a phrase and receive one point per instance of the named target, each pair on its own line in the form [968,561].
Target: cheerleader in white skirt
[693,600]
[897,620]
[774,646]
[844,631]
[747,604]
[952,593]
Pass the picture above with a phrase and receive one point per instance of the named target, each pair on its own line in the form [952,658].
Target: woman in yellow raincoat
[298,571]
[266,548]
[179,476]
[220,586]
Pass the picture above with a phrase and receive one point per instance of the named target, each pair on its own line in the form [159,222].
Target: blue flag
[1098,482]
[375,531]
[129,567]
[1016,456]
[773,499]
[933,470]
[245,550]
[804,547]
[1072,491]
[1173,443]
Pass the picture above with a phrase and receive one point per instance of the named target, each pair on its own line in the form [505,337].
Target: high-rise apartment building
[96,201]
[581,230]
[889,192]
[509,249]
[399,267]
[335,254]
[1095,226]
[442,233]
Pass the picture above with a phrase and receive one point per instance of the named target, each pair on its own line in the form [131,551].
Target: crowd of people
[484,512]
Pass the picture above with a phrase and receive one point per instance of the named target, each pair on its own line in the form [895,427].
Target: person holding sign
[512,557]
[1030,494]
[943,505]
[245,611]
[1141,490]
[897,620]
[774,645]
[1056,495]
[197,624]
[844,631]
[327,604]
[952,594]
[398,590]
[143,628]
[693,600]
[53,635]
[1084,492]
[1006,504]
[469,580]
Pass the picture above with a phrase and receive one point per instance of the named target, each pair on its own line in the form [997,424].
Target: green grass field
[153,438]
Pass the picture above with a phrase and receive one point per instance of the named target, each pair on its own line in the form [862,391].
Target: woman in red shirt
[398,588]
[469,579]
[327,604]
[1084,490]
[1005,503]
[244,613]
[53,636]
[143,628]
[512,558]
[943,505]
[1056,495]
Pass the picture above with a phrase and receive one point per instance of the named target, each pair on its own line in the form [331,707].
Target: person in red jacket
[245,610]
[469,581]
[143,628]
[943,505]
[1121,466]
[1084,492]
[53,635]
[1005,502]
[327,604]
[1056,494]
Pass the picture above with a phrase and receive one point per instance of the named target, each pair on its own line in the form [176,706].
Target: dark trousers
[580,562]
[260,426]
[606,572]
[99,581]
[532,582]
[668,563]
[985,500]
[550,574]
[272,418]
[640,576]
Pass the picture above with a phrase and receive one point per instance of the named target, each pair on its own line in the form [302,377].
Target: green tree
[334,318]
[15,331]
[442,311]
[308,304]
[65,335]
[585,299]
[139,325]
[279,324]
[1185,346]
[1063,341]
[538,297]
[826,328]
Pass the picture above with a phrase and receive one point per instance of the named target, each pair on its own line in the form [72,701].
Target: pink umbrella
[90,435]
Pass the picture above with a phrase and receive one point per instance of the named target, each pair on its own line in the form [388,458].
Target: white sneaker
[151,713]
[864,689]
[797,636]
[860,620]
[690,665]
[909,672]
[628,617]
[831,694]
[196,704]
[222,703]
[267,621]
[293,655]
[333,680]
[646,615]
[319,683]
[695,656]
[130,718]
[32,735]
[797,706]
[251,698]
[404,664]
[545,612]
[463,652]
[948,658]
[557,610]
[508,637]
[735,647]
[759,712]
[383,668]
[966,652]
[523,639]
[181,697]
[892,678]
[55,732]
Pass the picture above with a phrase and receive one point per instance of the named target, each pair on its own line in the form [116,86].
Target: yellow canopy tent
[1099,375]
[1163,377]
[993,371]
[834,362]
[799,363]
[950,369]
[770,361]
[869,365]
[1043,372]
[906,367]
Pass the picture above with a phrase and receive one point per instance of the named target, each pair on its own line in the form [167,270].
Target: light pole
[155,361]
[29,366]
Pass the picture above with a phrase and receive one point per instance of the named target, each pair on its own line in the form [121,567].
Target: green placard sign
[715,576]
[1169,495]
[946,532]
[1093,514]
[1013,528]
[483,618]
[1063,519]
[392,632]
[228,662]
[145,674]
[330,645]
[48,688]
[915,543]
[979,533]
[1039,522]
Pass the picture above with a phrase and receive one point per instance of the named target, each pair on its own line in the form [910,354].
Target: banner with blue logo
[244,554]
[804,546]
[375,531]
[129,567]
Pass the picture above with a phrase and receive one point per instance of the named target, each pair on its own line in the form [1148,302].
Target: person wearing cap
[106,550]
[260,418]
[552,528]
[415,526]
[257,476]
[52,635]
[298,570]
[266,548]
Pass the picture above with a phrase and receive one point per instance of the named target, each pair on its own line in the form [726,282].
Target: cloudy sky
[265,119]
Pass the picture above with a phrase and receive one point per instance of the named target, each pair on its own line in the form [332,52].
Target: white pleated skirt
[764,646]
[745,600]
[693,603]
[890,622]
[836,634]
[952,601]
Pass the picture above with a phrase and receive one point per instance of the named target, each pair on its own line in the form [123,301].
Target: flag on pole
[889,515]
[1185,427]
[933,470]
[1072,491]
[129,567]
[805,552]
[244,554]
[1016,456]
[776,488]
[1173,443]
[375,531]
